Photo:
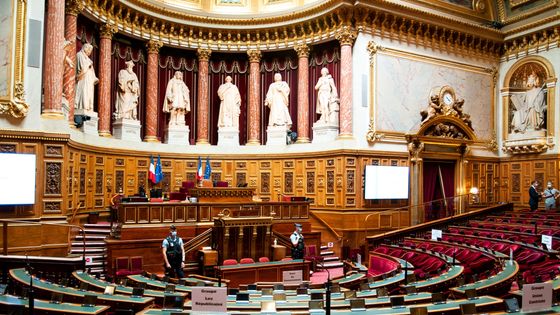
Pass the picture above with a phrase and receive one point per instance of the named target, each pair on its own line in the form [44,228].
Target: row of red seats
[425,265]
[553,231]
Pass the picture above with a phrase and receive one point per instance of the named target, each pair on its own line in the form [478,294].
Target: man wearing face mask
[173,254]
[550,195]
[297,243]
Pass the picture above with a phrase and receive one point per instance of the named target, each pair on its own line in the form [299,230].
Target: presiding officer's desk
[259,272]
[44,288]
[483,304]
[45,307]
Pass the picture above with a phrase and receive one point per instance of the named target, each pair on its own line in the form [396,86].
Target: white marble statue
[177,100]
[85,79]
[327,99]
[529,107]
[230,106]
[126,106]
[277,99]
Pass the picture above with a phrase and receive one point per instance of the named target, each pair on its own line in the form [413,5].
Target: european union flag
[208,169]
[159,173]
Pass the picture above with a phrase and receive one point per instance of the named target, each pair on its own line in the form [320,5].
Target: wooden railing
[282,239]
[197,241]
[327,225]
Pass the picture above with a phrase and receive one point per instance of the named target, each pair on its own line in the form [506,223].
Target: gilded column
[152,91]
[202,100]
[53,65]
[73,7]
[303,93]
[346,36]
[254,97]
[106,32]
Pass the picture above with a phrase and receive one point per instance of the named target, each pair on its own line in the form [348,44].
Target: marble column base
[276,135]
[90,126]
[127,129]
[323,133]
[178,135]
[228,136]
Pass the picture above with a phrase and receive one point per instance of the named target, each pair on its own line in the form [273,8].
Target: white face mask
[174,233]
[549,186]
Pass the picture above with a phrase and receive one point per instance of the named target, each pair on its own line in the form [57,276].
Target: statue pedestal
[323,133]
[127,129]
[177,134]
[90,126]
[276,135]
[228,136]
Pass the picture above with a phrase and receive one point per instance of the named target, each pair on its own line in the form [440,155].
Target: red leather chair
[312,255]
[229,262]
[245,261]
[286,259]
[122,267]
[136,265]
[264,259]
[221,184]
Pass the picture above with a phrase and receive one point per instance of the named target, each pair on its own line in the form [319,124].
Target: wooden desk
[45,307]
[261,272]
[223,194]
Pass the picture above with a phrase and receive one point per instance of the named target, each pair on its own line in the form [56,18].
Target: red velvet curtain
[325,55]
[236,66]
[87,33]
[124,49]
[432,188]
[171,60]
[285,63]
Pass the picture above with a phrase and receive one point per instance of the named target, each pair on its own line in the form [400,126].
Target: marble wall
[6,39]
[403,86]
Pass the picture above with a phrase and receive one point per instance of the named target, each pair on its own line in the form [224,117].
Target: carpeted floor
[321,276]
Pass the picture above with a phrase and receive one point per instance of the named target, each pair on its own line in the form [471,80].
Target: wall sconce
[475,198]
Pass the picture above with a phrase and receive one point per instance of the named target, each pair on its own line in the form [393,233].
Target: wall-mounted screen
[17,179]
[386,182]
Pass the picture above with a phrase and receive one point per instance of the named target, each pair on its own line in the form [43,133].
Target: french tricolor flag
[199,173]
[152,171]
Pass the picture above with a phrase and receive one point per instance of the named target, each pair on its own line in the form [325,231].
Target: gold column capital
[74,7]
[153,46]
[346,35]
[302,50]
[203,54]
[254,55]
[107,30]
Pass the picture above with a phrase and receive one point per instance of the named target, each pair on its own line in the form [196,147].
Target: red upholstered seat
[245,261]
[229,262]
[221,184]
[122,267]
[136,265]
[286,259]
[175,195]
[264,259]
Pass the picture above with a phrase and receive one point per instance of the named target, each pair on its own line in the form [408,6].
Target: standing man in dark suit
[534,196]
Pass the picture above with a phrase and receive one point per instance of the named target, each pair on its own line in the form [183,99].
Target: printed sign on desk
[547,240]
[89,260]
[209,299]
[537,297]
[436,234]
[292,276]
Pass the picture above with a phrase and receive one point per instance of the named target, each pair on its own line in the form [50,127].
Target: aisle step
[87,250]
[97,231]
[333,264]
[331,258]
[88,244]
[324,247]
[99,224]
[327,252]
[91,237]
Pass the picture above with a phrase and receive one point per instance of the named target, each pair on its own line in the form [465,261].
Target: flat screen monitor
[17,179]
[386,182]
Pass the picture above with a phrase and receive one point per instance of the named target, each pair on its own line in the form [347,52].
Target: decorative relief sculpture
[177,100]
[327,99]
[529,107]
[277,99]
[230,105]
[85,79]
[128,92]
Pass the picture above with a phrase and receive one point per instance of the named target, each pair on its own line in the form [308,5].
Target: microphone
[30,292]
[328,290]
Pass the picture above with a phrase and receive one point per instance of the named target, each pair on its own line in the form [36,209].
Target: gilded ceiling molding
[541,40]
[346,35]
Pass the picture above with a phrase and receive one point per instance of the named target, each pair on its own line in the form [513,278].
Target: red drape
[448,178]
[171,60]
[285,63]
[325,55]
[124,49]
[236,66]
[433,191]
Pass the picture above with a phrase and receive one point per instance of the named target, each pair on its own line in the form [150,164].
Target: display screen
[17,179]
[386,182]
